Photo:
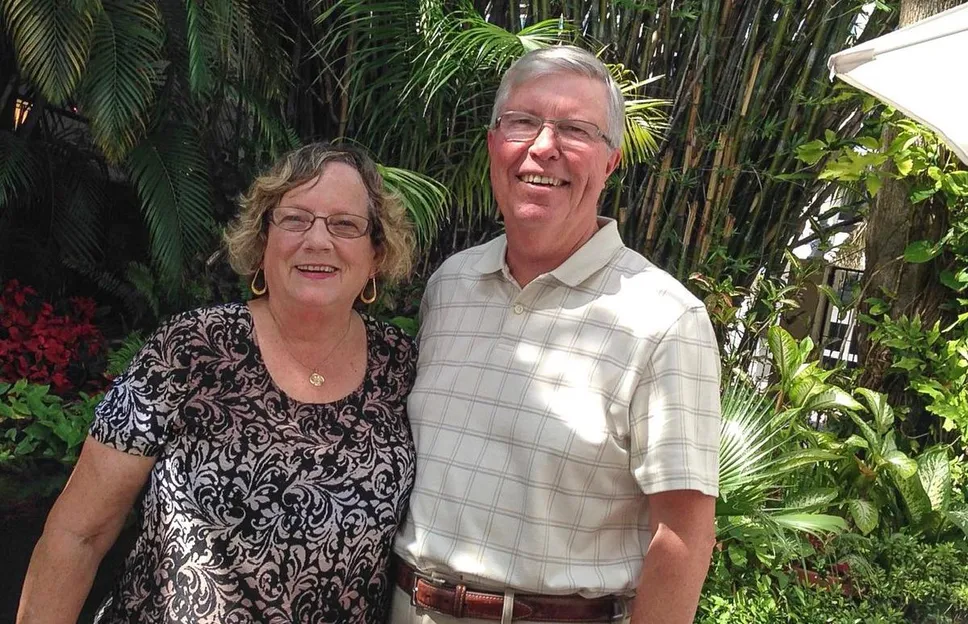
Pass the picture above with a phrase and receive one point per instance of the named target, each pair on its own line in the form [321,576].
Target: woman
[273,436]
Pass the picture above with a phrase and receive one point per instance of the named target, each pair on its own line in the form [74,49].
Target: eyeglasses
[340,225]
[521,127]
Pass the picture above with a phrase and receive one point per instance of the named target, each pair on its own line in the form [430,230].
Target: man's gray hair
[565,60]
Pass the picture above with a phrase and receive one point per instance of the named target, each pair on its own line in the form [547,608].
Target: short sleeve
[675,417]
[135,414]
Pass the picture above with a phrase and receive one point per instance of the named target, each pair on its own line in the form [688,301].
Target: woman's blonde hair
[391,232]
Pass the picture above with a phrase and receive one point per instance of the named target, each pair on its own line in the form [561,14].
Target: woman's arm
[81,527]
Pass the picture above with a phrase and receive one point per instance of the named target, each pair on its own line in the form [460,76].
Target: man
[566,406]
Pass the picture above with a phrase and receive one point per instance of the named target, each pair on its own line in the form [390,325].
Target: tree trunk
[892,223]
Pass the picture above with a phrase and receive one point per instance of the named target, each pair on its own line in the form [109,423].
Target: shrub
[38,425]
[895,579]
[45,345]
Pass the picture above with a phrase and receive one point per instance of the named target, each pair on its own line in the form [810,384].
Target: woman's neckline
[369,329]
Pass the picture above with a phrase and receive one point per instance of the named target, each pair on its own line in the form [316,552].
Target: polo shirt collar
[589,258]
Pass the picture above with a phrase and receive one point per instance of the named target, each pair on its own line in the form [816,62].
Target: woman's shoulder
[389,334]
[200,320]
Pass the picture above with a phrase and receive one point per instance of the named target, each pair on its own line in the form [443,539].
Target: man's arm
[683,535]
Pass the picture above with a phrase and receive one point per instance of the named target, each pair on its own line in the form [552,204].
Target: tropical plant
[164,107]
[758,511]
[879,484]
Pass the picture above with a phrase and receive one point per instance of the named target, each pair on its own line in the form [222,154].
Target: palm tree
[161,106]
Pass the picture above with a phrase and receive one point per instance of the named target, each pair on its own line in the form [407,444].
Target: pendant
[316,379]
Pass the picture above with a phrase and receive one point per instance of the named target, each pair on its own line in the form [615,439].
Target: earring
[257,290]
[371,298]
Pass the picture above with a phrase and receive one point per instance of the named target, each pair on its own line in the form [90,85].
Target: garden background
[129,127]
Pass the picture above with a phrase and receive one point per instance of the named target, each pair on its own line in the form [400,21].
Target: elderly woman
[272,436]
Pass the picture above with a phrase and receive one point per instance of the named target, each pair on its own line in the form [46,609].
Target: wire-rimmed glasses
[340,224]
[521,127]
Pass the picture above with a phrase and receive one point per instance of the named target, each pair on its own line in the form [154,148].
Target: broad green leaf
[935,475]
[919,195]
[959,518]
[873,440]
[915,498]
[909,363]
[815,498]
[921,251]
[811,153]
[880,408]
[956,182]
[903,466]
[832,296]
[804,387]
[955,281]
[873,183]
[855,441]
[814,524]
[864,514]
[831,398]
[786,353]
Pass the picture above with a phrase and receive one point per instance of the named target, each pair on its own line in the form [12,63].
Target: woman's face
[315,268]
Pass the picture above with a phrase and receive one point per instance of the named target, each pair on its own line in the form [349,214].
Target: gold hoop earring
[257,290]
[371,298]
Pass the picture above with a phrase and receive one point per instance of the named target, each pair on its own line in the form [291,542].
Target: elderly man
[566,406]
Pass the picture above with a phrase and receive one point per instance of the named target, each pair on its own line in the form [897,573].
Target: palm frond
[77,224]
[464,44]
[119,84]
[120,357]
[645,118]
[755,459]
[201,47]
[51,40]
[425,199]
[18,168]
[171,177]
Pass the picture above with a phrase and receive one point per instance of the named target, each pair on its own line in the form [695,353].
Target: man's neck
[531,253]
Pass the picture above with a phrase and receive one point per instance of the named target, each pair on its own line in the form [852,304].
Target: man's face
[540,183]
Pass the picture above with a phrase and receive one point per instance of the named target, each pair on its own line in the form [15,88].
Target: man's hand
[683,535]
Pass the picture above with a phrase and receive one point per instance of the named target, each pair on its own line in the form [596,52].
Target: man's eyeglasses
[340,225]
[520,127]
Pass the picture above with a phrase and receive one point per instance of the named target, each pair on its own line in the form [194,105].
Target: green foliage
[120,357]
[758,513]
[741,316]
[754,594]
[930,358]
[934,362]
[36,425]
[172,107]
[894,579]
[880,484]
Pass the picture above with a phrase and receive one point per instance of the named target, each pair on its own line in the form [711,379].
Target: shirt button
[518,308]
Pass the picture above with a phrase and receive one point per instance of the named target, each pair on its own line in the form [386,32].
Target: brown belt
[459,602]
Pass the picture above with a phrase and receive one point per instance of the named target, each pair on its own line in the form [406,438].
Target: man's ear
[613,161]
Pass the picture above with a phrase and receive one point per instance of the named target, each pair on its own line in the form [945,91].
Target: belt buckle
[427,579]
[620,609]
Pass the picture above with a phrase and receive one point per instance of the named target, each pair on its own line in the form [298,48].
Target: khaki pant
[402,612]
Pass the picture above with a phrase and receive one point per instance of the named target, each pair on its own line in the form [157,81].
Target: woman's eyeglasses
[340,225]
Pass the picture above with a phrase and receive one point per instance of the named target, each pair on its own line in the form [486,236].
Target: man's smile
[542,180]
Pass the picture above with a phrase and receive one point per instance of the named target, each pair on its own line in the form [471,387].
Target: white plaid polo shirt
[543,415]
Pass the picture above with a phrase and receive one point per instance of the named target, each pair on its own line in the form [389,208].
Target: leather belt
[460,602]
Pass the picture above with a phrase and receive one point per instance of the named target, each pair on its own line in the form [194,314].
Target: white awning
[922,70]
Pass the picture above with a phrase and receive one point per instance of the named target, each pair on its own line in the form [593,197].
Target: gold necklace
[315,378]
